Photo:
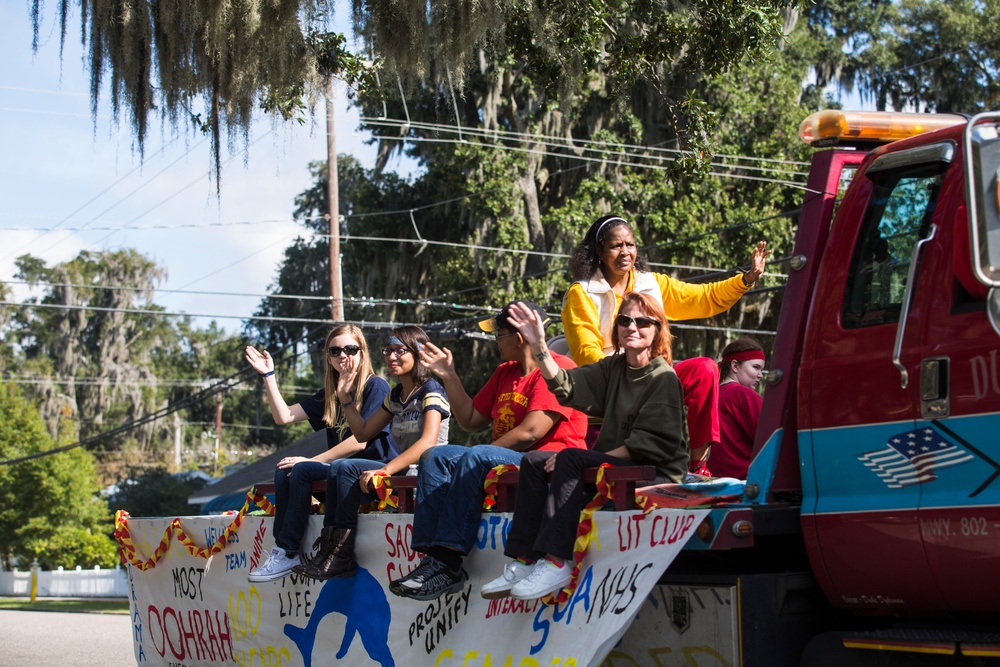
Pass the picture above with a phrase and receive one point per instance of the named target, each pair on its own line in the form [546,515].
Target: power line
[160,313]
[605,161]
[88,203]
[61,93]
[634,150]
[941,57]
[96,382]
[358,301]
[246,373]
[180,225]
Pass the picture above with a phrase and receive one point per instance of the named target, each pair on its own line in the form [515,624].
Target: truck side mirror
[982,184]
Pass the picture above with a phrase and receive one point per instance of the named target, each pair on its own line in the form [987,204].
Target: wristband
[267,374]
[347,405]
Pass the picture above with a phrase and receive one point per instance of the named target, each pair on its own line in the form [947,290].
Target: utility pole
[177,441]
[332,186]
[218,428]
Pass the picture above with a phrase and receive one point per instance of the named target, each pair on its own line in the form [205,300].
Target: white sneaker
[544,578]
[276,566]
[500,587]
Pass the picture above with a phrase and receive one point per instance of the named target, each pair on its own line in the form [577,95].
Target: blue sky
[69,184]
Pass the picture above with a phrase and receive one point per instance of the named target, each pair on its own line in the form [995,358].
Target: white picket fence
[78,583]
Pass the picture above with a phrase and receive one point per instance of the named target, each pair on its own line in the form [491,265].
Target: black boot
[321,549]
[339,561]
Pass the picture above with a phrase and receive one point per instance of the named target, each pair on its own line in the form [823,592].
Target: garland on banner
[584,534]
[383,489]
[126,547]
[490,485]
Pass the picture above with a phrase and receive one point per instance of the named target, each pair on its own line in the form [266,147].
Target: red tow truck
[868,532]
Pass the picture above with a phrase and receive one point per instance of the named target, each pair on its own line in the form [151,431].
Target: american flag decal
[910,458]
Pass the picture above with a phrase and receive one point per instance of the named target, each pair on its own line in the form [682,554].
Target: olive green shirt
[642,408]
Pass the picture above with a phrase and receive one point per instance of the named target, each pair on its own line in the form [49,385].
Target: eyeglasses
[349,350]
[395,351]
[498,336]
[640,322]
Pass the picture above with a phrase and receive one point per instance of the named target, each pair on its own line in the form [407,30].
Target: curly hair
[586,257]
[661,346]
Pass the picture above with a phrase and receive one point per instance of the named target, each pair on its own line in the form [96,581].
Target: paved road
[51,639]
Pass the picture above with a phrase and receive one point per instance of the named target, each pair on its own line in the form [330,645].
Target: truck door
[857,389]
[958,384]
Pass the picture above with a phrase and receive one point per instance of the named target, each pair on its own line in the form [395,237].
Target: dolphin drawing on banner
[362,601]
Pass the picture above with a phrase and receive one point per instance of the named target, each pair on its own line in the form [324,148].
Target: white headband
[597,234]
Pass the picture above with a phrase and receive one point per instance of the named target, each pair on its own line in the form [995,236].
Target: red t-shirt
[739,410]
[508,397]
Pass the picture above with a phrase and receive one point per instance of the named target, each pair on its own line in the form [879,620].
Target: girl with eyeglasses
[346,352]
[416,411]
[640,398]
[605,265]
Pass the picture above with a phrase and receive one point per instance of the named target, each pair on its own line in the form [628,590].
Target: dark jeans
[292,498]
[546,518]
[343,492]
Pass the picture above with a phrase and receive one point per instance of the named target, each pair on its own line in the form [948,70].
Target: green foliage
[103,364]
[203,58]
[49,503]
[923,55]
[95,337]
[155,492]
[72,546]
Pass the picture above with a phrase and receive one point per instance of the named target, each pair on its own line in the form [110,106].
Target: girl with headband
[346,352]
[741,370]
[605,265]
[417,413]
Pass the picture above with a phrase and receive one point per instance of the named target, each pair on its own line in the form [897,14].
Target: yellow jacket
[590,307]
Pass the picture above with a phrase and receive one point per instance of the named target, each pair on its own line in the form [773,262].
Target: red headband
[744,356]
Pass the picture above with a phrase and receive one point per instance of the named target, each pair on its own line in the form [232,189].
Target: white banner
[189,611]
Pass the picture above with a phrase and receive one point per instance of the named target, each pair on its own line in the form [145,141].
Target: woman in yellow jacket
[605,265]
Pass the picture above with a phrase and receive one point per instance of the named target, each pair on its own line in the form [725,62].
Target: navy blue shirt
[379,448]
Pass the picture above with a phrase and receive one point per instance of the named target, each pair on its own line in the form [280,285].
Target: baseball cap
[500,321]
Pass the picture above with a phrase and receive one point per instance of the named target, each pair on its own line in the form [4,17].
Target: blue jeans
[450,494]
[343,492]
[292,498]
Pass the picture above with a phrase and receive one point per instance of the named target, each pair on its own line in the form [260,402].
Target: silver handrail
[897,350]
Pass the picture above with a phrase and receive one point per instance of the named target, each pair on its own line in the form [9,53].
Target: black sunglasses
[349,350]
[639,322]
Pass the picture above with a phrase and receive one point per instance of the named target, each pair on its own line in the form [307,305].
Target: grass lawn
[76,605]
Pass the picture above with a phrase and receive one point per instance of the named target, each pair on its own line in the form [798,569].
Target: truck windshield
[898,215]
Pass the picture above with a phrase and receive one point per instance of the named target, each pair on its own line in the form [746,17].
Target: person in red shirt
[740,371]
[525,416]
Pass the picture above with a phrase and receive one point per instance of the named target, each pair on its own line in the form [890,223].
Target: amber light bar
[836,126]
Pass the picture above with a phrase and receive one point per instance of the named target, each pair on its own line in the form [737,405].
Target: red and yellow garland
[383,489]
[490,485]
[584,534]
[126,548]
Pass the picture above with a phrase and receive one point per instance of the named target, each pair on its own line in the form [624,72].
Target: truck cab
[897,401]
[871,511]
